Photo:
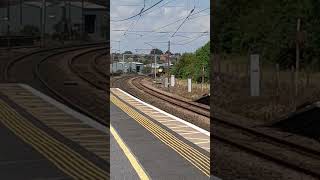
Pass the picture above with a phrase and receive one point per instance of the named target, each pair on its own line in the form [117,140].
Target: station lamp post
[43,23]
[82,20]
[6,21]
[155,61]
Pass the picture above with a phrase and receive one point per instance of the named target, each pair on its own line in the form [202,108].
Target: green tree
[156,51]
[191,64]
[269,28]
[30,30]
[127,52]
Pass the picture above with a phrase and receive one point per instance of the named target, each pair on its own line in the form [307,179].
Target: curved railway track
[252,140]
[43,72]
[42,83]
[96,77]
[188,105]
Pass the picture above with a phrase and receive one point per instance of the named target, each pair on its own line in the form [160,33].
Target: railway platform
[43,139]
[159,145]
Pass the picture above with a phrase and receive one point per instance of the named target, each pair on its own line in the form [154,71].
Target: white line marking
[182,130]
[66,109]
[164,121]
[170,115]
[204,142]
[189,133]
[175,127]
[171,124]
[196,138]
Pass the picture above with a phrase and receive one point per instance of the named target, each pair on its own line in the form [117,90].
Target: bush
[30,30]
[190,64]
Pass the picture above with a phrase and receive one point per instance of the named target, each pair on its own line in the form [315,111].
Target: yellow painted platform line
[63,157]
[134,162]
[195,157]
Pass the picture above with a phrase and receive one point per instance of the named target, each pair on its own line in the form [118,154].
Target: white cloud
[155,18]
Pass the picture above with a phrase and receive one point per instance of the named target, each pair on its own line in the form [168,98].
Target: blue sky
[194,33]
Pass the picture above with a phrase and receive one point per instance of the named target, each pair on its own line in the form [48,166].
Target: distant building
[30,12]
[126,67]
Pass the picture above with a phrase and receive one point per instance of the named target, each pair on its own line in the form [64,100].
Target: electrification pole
[21,2]
[297,62]
[69,21]
[168,57]
[155,65]
[8,25]
[43,23]
[82,20]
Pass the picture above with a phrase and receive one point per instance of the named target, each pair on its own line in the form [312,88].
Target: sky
[141,33]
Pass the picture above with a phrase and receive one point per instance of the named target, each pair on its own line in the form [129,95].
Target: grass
[181,89]
[277,98]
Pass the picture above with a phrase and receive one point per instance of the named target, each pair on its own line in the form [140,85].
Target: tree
[190,64]
[30,30]
[135,58]
[156,51]
[269,28]
[127,52]
[168,52]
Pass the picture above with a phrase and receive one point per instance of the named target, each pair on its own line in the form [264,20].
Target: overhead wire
[165,32]
[188,42]
[143,34]
[183,22]
[142,11]
[125,33]
[167,25]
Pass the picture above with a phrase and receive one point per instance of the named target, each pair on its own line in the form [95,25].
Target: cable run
[142,11]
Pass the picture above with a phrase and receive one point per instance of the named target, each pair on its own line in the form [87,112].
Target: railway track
[43,72]
[256,141]
[189,105]
[75,100]
[34,77]
[90,72]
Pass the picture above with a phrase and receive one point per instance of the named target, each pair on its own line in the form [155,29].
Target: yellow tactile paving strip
[67,160]
[58,120]
[182,129]
[198,159]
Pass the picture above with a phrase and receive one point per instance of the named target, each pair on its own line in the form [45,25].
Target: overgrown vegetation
[269,28]
[192,64]
[30,30]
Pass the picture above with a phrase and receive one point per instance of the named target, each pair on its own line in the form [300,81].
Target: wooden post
[237,71]
[227,68]
[297,59]
[255,73]
[293,88]
[219,67]
[189,85]
[202,81]
[168,58]
[309,71]
[277,84]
